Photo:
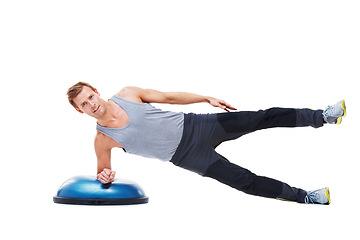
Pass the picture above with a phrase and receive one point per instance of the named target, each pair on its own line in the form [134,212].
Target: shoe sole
[327,195]
[343,107]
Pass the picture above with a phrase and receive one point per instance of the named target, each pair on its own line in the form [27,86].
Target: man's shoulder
[103,141]
[130,93]
[100,139]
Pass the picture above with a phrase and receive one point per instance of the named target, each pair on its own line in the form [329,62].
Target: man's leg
[248,182]
[235,124]
[202,133]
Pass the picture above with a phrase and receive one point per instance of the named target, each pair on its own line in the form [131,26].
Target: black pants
[204,132]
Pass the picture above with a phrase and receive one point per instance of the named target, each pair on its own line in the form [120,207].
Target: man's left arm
[150,95]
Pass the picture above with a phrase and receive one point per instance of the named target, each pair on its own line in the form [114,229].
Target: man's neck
[108,116]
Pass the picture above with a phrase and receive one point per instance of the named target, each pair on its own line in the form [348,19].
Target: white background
[253,54]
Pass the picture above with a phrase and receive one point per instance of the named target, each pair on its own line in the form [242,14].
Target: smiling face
[88,101]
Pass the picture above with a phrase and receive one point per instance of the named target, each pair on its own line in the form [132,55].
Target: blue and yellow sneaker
[321,196]
[334,113]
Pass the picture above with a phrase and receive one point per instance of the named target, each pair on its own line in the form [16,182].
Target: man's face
[89,102]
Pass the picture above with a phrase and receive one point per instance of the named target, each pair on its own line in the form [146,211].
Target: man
[128,121]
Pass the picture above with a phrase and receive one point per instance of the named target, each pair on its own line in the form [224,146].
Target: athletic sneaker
[321,196]
[334,113]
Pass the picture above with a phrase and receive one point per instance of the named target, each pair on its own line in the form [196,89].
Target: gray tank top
[151,132]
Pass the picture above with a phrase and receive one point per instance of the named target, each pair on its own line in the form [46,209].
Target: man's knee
[231,175]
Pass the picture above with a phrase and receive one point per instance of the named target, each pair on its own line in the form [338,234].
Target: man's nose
[92,104]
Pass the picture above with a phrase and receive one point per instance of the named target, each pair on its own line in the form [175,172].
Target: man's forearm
[186,98]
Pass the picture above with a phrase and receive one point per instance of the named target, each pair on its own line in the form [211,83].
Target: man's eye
[83,104]
[91,96]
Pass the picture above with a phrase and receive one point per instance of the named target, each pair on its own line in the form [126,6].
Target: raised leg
[236,124]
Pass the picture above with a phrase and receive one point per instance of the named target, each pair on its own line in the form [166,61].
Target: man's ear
[79,110]
[97,92]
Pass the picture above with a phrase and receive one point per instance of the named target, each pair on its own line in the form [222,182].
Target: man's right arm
[103,154]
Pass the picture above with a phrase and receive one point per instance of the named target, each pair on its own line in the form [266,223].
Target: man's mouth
[96,109]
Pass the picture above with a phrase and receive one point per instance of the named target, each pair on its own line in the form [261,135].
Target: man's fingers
[103,178]
[226,106]
[107,171]
[106,176]
[229,106]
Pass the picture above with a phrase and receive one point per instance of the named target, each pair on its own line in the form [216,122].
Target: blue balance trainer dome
[87,190]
